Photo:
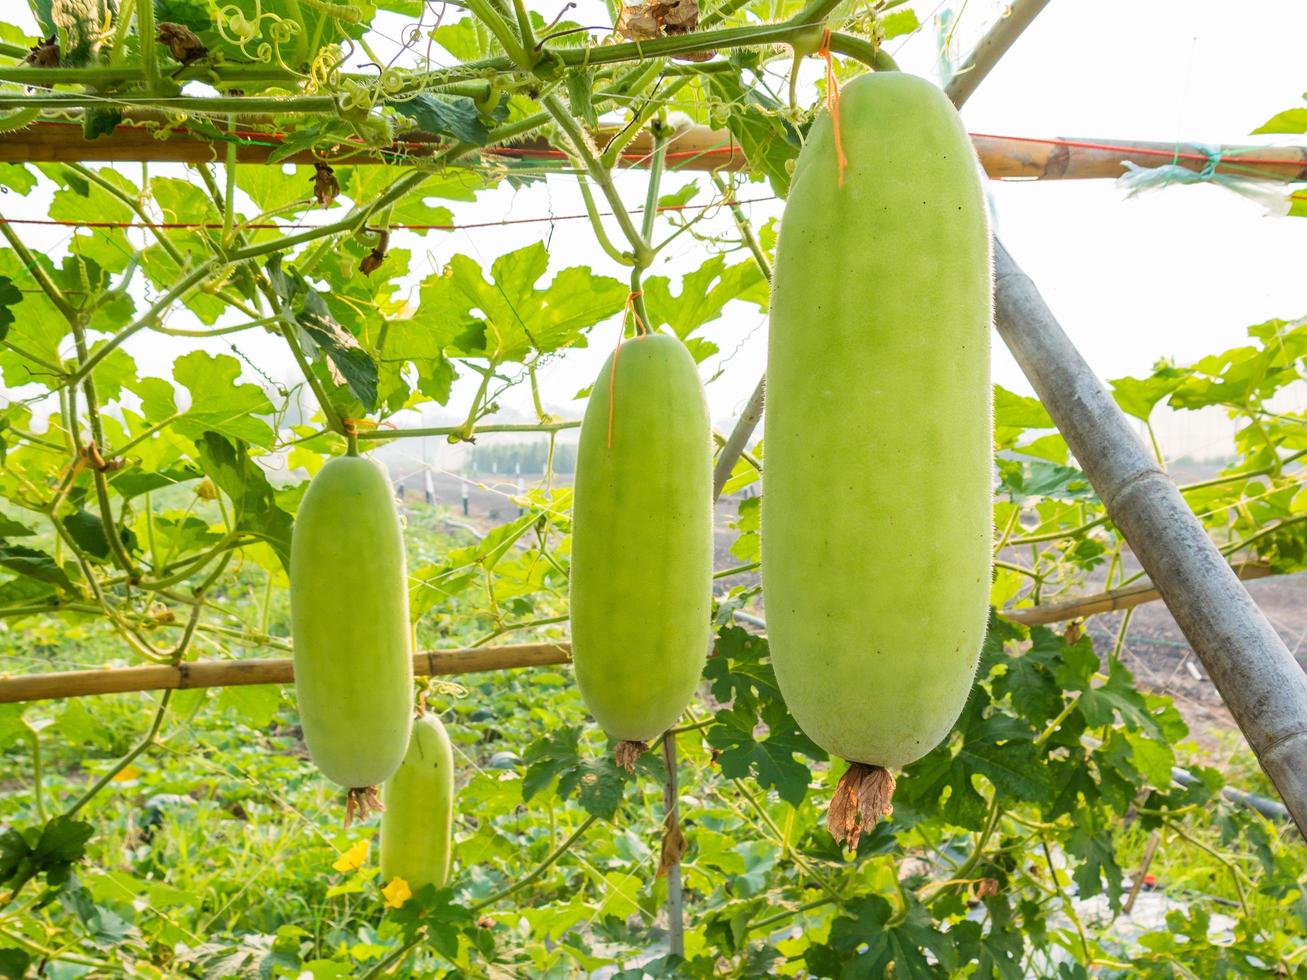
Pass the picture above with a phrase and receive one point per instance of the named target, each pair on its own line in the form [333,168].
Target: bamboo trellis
[695,148]
[1259,679]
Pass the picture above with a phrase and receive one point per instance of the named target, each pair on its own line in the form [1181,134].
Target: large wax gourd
[349,623]
[419,814]
[641,578]
[876,521]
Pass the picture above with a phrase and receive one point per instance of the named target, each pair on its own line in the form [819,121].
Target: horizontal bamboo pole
[237,673]
[696,148]
[1113,600]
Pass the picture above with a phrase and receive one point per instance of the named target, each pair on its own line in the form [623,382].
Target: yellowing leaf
[353,858]
[397,893]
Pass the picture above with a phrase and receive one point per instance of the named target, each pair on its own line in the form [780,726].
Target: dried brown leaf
[861,799]
[673,845]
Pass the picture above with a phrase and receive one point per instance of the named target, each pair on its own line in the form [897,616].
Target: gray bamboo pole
[1261,683]
[996,42]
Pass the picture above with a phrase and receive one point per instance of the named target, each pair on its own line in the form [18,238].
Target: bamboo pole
[237,673]
[990,49]
[1259,680]
[1113,600]
[696,148]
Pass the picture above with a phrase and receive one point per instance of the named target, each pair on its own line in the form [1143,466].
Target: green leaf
[10,528]
[770,142]
[255,705]
[741,676]
[899,22]
[599,784]
[219,403]
[1019,411]
[704,293]
[350,364]
[508,318]
[9,298]
[14,963]
[232,470]
[872,939]
[1288,121]
[453,116]
[580,97]
[34,564]
[87,530]
[1097,871]
[1138,397]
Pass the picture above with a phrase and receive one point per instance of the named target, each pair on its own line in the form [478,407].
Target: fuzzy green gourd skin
[349,623]
[641,577]
[419,814]
[876,519]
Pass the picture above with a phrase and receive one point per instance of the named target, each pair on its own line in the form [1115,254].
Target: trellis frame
[1251,667]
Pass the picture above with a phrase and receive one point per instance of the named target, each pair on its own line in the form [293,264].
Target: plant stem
[544,866]
[737,570]
[449,430]
[148,45]
[655,180]
[126,760]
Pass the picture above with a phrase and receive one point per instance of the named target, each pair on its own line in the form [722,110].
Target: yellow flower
[397,893]
[126,775]
[353,858]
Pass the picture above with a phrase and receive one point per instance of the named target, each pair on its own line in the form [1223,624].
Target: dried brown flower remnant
[662,18]
[182,42]
[673,845]
[626,754]
[361,802]
[861,799]
[638,23]
[372,261]
[325,186]
[678,16]
[44,54]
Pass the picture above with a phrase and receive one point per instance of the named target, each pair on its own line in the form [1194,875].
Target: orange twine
[833,102]
[612,374]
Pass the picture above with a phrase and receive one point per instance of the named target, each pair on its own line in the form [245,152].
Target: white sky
[1178,273]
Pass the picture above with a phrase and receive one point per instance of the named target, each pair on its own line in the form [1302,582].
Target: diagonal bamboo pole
[1259,680]
[991,48]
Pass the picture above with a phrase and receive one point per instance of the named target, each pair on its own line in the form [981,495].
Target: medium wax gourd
[419,816]
[641,579]
[350,625]
[876,514]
